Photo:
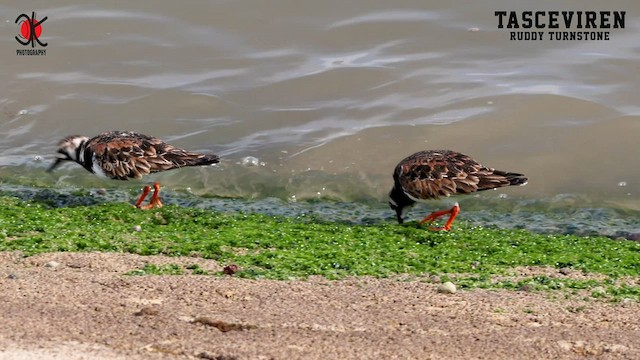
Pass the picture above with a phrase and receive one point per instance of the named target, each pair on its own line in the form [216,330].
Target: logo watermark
[560,25]
[30,31]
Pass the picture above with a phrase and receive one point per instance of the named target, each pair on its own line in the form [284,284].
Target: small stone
[137,228]
[223,325]
[626,302]
[447,288]
[231,269]
[102,191]
[52,264]
[565,271]
[186,318]
[209,356]
[148,310]
[435,279]
[12,276]
[206,355]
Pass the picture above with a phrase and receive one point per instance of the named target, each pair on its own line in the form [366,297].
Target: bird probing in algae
[122,155]
[431,174]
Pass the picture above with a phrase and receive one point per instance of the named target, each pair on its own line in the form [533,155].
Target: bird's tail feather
[516,179]
[207,159]
[190,159]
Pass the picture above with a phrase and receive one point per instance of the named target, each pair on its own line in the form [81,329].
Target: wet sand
[78,306]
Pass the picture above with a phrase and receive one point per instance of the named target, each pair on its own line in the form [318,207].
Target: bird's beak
[55,164]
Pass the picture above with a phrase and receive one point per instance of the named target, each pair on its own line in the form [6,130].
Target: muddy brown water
[326,96]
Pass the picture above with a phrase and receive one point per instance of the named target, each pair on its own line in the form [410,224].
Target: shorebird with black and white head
[432,174]
[124,155]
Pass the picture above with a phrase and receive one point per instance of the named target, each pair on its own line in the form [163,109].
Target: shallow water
[328,96]
[559,215]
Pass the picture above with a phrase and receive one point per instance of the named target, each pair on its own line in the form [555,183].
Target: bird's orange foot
[453,212]
[440,228]
[155,199]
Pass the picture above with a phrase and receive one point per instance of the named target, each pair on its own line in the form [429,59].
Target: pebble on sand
[147,310]
[447,288]
[231,269]
[52,264]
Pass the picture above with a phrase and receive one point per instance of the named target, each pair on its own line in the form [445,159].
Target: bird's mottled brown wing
[125,155]
[435,173]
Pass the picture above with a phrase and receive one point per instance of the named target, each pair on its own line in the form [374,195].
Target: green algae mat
[278,247]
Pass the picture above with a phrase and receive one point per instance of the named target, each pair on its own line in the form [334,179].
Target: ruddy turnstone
[123,155]
[434,173]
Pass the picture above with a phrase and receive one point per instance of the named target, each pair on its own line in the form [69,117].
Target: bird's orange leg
[155,200]
[453,212]
[143,196]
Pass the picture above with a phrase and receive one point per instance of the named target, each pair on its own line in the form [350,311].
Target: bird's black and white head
[400,203]
[69,149]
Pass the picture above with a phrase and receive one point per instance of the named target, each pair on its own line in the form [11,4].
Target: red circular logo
[25,29]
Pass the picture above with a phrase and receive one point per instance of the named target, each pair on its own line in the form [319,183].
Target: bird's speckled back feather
[125,155]
[434,173]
